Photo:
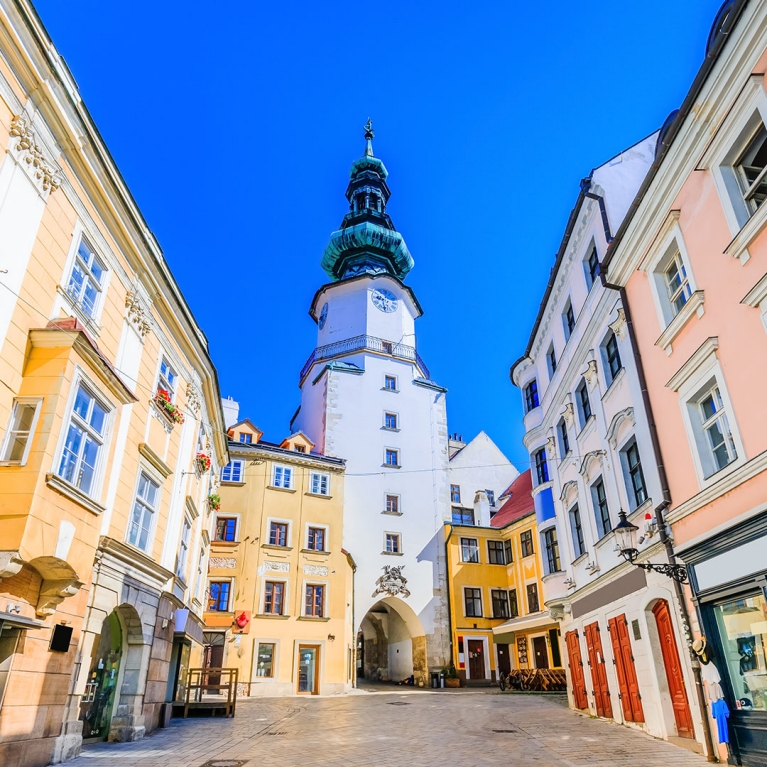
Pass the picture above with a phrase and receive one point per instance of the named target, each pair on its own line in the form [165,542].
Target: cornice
[128,559]
[694,305]
[154,460]
[757,294]
[696,359]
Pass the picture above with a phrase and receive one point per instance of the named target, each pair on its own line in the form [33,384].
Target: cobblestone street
[391,729]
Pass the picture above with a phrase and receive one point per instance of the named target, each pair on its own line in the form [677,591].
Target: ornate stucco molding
[225,563]
[137,314]
[392,582]
[53,593]
[568,413]
[618,325]
[10,564]
[590,373]
[551,447]
[31,156]
[193,398]
[315,570]
[615,424]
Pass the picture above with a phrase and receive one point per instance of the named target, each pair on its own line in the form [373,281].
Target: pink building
[691,259]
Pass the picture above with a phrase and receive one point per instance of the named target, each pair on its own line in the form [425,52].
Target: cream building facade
[111,430]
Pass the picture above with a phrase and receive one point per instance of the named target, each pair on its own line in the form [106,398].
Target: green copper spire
[367,242]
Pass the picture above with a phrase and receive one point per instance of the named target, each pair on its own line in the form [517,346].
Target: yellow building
[496,606]
[279,600]
[111,430]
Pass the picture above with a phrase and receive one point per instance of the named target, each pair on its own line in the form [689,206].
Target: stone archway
[393,643]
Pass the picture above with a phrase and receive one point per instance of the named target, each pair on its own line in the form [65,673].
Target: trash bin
[435,679]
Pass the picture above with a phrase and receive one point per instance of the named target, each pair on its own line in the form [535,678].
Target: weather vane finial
[369,135]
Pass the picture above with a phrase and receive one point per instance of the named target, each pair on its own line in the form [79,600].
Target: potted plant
[451,677]
[162,400]
[214,501]
[203,462]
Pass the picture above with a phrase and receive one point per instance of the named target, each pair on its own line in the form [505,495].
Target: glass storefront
[307,669]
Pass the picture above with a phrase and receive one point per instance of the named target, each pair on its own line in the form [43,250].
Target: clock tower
[367,397]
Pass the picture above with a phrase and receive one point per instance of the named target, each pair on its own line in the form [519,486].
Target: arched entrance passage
[392,643]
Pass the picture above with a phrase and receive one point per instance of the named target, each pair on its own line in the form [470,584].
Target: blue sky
[235,127]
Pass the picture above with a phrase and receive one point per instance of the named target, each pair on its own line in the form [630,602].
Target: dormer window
[246,439]
[299,448]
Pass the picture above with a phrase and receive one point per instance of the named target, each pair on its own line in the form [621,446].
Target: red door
[631,700]
[576,669]
[670,654]
[601,689]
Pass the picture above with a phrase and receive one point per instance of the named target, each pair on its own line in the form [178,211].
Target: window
[167,379]
[500,600]
[551,361]
[719,444]
[532,598]
[633,466]
[564,440]
[183,550]
[390,420]
[751,168]
[526,541]
[274,592]
[507,556]
[455,493]
[200,574]
[20,429]
[583,402]
[463,516]
[552,550]
[144,508]
[246,439]
[84,441]
[320,483]
[218,596]
[612,358]
[531,396]
[278,534]
[495,553]
[391,457]
[677,283]
[392,504]
[473,602]
[299,448]
[469,550]
[513,604]
[87,279]
[541,466]
[315,601]
[393,543]
[316,540]
[577,530]
[490,497]
[601,510]
[265,663]
[232,472]
[387,347]
[591,266]
[390,383]
[282,477]
[568,320]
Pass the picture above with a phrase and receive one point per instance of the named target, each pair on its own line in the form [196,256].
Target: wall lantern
[626,543]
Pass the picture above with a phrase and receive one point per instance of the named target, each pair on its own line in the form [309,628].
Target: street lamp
[625,534]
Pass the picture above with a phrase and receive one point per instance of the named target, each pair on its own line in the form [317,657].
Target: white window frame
[288,536]
[275,578]
[396,420]
[481,607]
[242,471]
[386,503]
[319,526]
[80,378]
[608,374]
[283,468]
[585,261]
[398,536]
[628,485]
[165,358]
[321,475]
[396,383]
[184,546]
[460,548]
[565,328]
[230,601]
[325,600]
[397,465]
[153,476]
[201,574]
[551,360]
[23,401]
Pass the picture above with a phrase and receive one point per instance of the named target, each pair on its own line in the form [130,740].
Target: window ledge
[231,484]
[467,562]
[312,618]
[94,328]
[281,489]
[587,427]
[11,463]
[619,376]
[551,577]
[225,544]
[580,559]
[315,551]
[738,247]
[643,507]
[393,553]
[391,391]
[694,305]
[389,428]
[392,513]
[324,496]
[391,465]
[55,482]
[274,547]
[604,540]
[273,616]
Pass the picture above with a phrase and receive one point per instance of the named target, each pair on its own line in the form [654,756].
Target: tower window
[390,383]
[541,466]
[531,396]
[391,457]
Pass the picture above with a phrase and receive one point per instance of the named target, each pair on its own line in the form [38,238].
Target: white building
[592,457]
[366,396]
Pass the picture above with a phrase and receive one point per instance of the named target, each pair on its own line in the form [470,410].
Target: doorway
[308,669]
[213,658]
[504,660]
[476,659]
[598,671]
[540,652]
[676,688]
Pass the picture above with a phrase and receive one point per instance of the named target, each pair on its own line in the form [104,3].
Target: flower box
[203,462]
[214,501]
[168,409]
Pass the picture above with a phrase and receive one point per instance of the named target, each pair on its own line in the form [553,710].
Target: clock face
[384,300]
[323,316]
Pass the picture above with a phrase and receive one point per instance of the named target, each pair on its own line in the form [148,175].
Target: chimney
[231,411]
[481,509]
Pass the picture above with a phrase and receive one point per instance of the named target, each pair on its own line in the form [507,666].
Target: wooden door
[476,659]
[504,660]
[631,700]
[213,658]
[576,669]
[676,687]
[540,652]
[600,688]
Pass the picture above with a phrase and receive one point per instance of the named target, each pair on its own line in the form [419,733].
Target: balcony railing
[364,343]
